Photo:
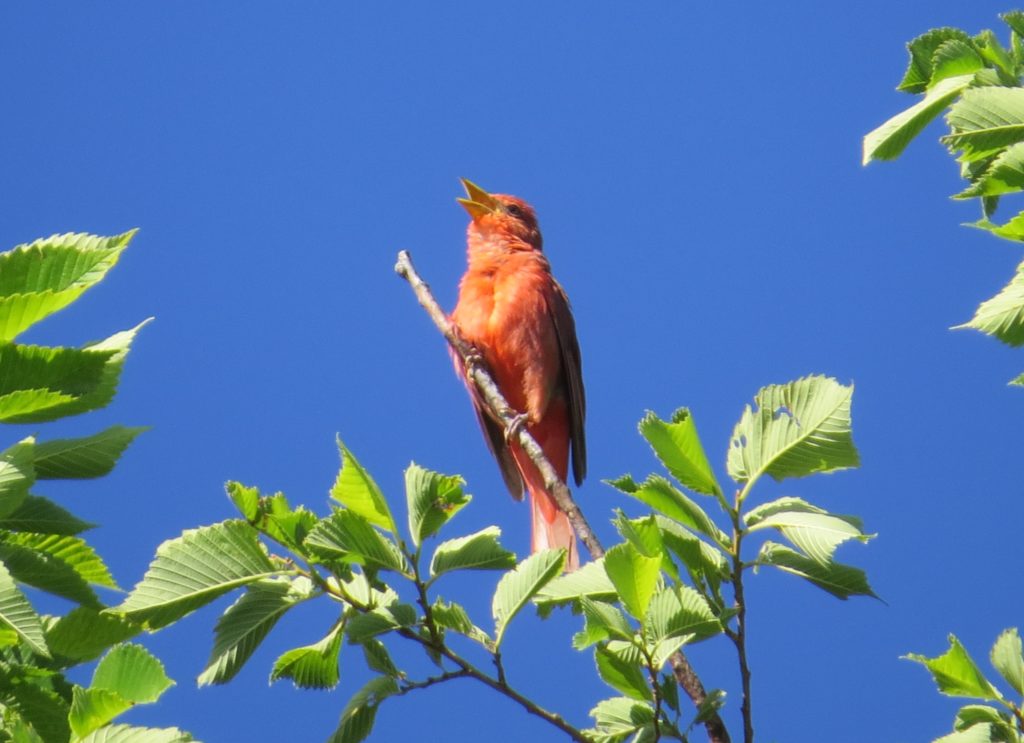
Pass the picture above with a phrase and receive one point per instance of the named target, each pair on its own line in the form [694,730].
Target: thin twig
[499,407]
[739,637]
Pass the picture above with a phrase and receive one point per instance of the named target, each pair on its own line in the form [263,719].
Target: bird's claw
[514,426]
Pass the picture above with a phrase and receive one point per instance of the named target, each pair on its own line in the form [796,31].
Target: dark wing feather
[565,329]
[494,435]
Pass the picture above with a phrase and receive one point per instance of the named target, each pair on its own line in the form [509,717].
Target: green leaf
[347,536]
[433,499]
[634,576]
[627,678]
[812,529]
[679,611]
[590,581]
[196,568]
[891,138]
[976,734]
[841,581]
[17,613]
[42,384]
[995,55]
[985,120]
[1003,727]
[84,633]
[956,674]
[797,429]
[94,708]
[42,708]
[245,624]
[132,734]
[43,516]
[454,617]
[953,58]
[92,456]
[922,55]
[279,521]
[1017,381]
[1003,315]
[602,622]
[619,716]
[378,659]
[63,566]
[246,500]
[662,496]
[133,672]
[713,702]
[1013,229]
[704,562]
[1008,659]
[357,718]
[17,475]
[38,279]
[521,584]
[478,551]
[357,491]
[382,619]
[1004,175]
[678,446]
[313,666]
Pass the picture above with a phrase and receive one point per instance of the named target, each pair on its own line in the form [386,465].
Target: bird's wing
[494,435]
[565,329]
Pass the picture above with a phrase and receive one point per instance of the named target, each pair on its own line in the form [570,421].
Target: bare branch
[499,407]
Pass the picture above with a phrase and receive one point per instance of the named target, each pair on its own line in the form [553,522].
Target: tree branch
[500,409]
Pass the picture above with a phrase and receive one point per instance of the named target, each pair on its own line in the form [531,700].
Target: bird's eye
[514,210]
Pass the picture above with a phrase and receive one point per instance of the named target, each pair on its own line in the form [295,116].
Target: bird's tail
[551,527]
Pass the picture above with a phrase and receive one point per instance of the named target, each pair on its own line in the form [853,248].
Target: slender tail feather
[551,528]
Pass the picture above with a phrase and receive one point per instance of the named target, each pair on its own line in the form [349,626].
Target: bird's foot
[514,426]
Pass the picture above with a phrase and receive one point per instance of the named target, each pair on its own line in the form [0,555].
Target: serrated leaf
[94,708]
[131,734]
[1004,175]
[590,581]
[922,55]
[83,634]
[1003,726]
[982,733]
[38,279]
[891,138]
[92,456]
[679,611]
[478,551]
[378,658]
[357,491]
[662,496]
[952,58]
[17,474]
[985,120]
[382,619]
[602,622]
[704,562]
[196,568]
[433,499]
[678,446]
[634,576]
[620,716]
[347,536]
[246,623]
[279,521]
[1008,659]
[626,678]
[132,672]
[357,718]
[1013,229]
[41,384]
[43,516]
[454,617]
[62,565]
[956,674]
[313,666]
[812,529]
[841,581]
[42,708]
[795,429]
[521,584]
[1003,315]
[17,613]
[246,499]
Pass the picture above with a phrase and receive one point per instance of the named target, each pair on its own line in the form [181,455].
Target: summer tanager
[517,316]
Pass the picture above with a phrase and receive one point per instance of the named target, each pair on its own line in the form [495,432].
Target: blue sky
[696,171]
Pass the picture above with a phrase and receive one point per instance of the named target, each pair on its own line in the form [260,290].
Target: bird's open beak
[479,202]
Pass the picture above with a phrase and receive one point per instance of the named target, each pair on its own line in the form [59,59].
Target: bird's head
[500,217]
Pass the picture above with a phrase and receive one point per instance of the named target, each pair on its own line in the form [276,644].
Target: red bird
[518,318]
